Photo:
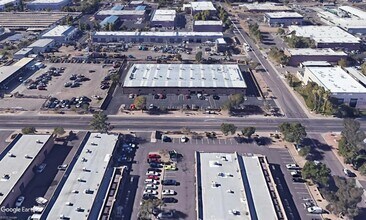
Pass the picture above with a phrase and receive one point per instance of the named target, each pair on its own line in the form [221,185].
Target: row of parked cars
[42,81]
[78,102]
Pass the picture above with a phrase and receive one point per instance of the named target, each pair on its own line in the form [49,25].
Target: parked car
[19,201]
[41,167]
[41,201]
[167,192]
[62,167]
[154,169]
[166,214]
[153,156]
[169,182]
[151,186]
[295,174]
[155,165]
[292,166]
[152,173]
[183,139]
[169,200]
[153,177]
[151,192]
[148,196]
[170,167]
[315,210]
[348,173]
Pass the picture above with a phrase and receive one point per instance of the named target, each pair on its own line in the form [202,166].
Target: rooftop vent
[38,142]
[215,184]
[221,174]
[97,136]
[28,157]
[88,151]
[5,177]
[79,209]
[80,180]
[83,159]
[75,191]
[234,212]
[69,204]
[223,158]
[229,175]
[94,144]
[229,191]
[11,155]
[217,163]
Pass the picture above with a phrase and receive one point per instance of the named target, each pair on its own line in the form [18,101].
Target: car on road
[19,201]
[183,139]
[169,200]
[151,181]
[167,192]
[166,214]
[151,186]
[170,167]
[41,167]
[150,191]
[169,182]
[152,173]
[41,201]
[292,166]
[153,177]
[348,173]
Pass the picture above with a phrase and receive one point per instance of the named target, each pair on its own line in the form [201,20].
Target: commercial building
[24,52]
[61,33]
[9,73]
[81,193]
[8,3]
[17,164]
[233,186]
[155,37]
[283,18]
[299,55]
[125,14]
[354,23]
[163,18]
[327,36]
[357,75]
[354,12]
[341,85]
[42,45]
[184,79]
[265,7]
[118,7]
[47,4]
[113,20]
[207,26]
[201,6]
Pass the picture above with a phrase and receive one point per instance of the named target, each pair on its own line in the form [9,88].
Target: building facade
[60,33]
[40,5]
[283,19]
[207,26]
[300,55]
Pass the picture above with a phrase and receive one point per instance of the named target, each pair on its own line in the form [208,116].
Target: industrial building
[207,26]
[163,18]
[42,45]
[113,20]
[327,36]
[80,195]
[357,75]
[17,164]
[122,14]
[233,186]
[24,52]
[200,6]
[155,37]
[8,3]
[299,55]
[283,19]
[9,73]
[341,85]
[61,33]
[348,18]
[184,79]
[265,7]
[40,5]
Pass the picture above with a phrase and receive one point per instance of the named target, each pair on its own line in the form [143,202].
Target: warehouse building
[42,45]
[184,79]
[8,3]
[155,37]
[327,36]
[283,19]
[197,7]
[40,5]
[357,75]
[10,73]
[22,53]
[80,195]
[265,7]
[61,33]
[113,20]
[353,12]
[242,187]
[341,85]
[299,55]
[125,14]
[163,18]
[17,164]
[207,26]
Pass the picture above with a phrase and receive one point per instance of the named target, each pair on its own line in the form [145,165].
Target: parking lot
[295,195]
[74,81]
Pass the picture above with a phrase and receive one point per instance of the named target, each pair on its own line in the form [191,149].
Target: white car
[151,192]
[183,139]
[151,186]
[151,181]
[152,173]
[167,192]
[19,201]
[41,200]
[292,166]
[315,210]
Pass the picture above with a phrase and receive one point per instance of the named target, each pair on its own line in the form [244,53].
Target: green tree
[199,56]
[147,207]
[115,78]
[343,62]
[293,132]
[318,173]
[228,128]
[248,131]
[59,131]
[140,102]
[362,169]
[304,151]
[363,68]
[99,122]
[29,130]
[281,31]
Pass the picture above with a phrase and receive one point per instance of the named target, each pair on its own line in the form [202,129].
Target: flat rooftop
[356,74]
[5,2]
[268,6]
[336,80]
[156,33]
[283,14]
[59,31]
[7,71]
[185,75]
[237,183]
[324,34]
[23,51]
[332,18]
[315,52]
[97,153]
[48,1]
[42,42]
[203,6]
[121,12]
[17,165]
[209,22]
[354,11]
[164,15]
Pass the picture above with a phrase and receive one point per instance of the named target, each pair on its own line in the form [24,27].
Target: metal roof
[164,15]
[47,2]
[59,31]
[109,20]
[185,75]
[7,71]
[42,42]
[203,6]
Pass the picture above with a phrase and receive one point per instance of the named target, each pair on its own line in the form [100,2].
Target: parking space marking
[213,141]
[225,141]
[202,140]
[219,141]
[196,141]
[231,141]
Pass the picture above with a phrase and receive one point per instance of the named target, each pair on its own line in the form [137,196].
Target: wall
[174,90]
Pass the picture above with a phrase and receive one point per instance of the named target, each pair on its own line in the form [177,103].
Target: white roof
[156,33]
[356,74]
[185,75]
[343,22]
[136,2]
[47,1]
[335,79]
[16,166]
[324,34]
[23,51]
[315,52]
[209,22]
[241,186]
[5,2]
[203,6]
[164,15]
[121,12]
[58,31]
[7,71]
[98,152]
[42,42]
[316,63]
[221,41]
[267,6]
[354,11]
[283,14]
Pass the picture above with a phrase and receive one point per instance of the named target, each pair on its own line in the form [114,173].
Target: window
[353,103]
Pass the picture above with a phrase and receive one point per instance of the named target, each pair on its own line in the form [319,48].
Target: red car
[153,160]
[153,177]
[153,156]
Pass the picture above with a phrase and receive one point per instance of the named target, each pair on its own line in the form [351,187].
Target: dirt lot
[56,88]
